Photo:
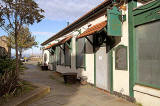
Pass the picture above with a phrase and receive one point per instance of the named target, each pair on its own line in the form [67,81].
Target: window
[80,53]
[67,53]
[148,53]
[62,55]
[58,55]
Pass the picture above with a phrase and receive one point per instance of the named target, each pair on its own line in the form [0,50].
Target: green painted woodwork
[147,13]
[132,51]
[147,7]
[51,50]
[114,24]
[148,85]
[69,46]
[142,15]
[111,70]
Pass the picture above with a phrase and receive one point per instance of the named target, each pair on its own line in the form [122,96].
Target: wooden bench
[70,77]
[44,67]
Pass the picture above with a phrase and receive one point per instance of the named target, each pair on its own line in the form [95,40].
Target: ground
[68,95]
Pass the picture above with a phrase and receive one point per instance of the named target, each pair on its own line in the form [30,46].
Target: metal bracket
[89,40]
[68,45]
[61,48]
[51,50]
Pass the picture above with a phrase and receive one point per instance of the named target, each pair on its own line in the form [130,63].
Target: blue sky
[57,14]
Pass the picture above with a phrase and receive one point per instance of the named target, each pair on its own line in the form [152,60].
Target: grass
[52,77]
[139,104]
[27,87]
[22,69]
[24,89]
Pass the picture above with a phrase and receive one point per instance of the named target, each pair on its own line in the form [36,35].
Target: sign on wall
[121,58]
[114,24]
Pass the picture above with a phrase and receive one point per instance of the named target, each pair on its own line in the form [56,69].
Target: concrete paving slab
[69,95]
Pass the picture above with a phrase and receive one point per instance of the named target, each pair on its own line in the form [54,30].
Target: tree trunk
[16,46]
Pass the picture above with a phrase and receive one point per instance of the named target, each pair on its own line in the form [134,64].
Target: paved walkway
[69,95]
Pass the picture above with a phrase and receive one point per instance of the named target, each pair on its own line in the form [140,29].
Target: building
[4,49]
[115,46]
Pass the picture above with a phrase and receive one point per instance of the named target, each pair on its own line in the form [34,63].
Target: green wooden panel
[146,7]
[132,50]
[114,24]
[147,13]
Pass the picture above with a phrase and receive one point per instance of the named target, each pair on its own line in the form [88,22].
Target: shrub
[8,77]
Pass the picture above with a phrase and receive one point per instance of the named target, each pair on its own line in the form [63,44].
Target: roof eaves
[77,22]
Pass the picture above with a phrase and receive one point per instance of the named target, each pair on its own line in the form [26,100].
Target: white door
[102,69]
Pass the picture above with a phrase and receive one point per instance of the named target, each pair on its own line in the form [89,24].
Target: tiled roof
[93,29]
[78,22]
[65,40]
[59,43]
[53,44]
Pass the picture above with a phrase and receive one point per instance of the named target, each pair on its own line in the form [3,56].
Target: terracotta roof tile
[76,23]
[93,29]
[53,44]
[65,40]
[59,43]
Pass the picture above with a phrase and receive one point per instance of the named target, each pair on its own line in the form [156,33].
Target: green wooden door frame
[111,70]
[132,50]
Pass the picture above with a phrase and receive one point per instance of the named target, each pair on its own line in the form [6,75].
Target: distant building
[4,49]
[36,58]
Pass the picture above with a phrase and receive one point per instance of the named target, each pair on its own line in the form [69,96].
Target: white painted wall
[147,96]
[89,72]
[121,77]
[46,52]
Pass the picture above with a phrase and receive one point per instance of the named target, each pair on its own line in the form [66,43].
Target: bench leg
[65,79]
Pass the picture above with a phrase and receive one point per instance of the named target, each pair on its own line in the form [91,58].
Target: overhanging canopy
[65,40]
[48,47]
[93,29]
[59,43]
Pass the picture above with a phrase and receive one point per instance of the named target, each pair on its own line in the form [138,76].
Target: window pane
[148,53]
[80,52]
[58,56]
[67,55]
[62,55]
